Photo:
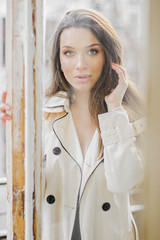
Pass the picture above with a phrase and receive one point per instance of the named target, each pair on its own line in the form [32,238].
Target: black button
[56,150]
[50,199]
[106,206]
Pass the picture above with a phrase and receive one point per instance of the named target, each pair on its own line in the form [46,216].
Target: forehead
[77,36]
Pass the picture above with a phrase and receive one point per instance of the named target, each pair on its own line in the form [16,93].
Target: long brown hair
[110,42]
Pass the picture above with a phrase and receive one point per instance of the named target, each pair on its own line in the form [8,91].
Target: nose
[81,62]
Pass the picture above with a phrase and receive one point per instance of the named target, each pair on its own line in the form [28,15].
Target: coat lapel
[66,133]
[64,129]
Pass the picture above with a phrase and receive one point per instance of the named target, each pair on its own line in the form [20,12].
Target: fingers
[120,71]
[117,67]
[4,95]
[3,108]
[5,117]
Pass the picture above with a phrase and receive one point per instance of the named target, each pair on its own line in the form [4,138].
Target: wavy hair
[111,46]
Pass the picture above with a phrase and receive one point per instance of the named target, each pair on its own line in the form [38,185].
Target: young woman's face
[81,58]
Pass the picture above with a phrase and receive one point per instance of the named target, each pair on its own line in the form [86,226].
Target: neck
[81,101]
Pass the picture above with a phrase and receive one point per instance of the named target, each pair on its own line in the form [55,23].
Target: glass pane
[126,18]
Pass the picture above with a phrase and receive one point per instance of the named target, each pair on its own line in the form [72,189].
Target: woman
[91,163]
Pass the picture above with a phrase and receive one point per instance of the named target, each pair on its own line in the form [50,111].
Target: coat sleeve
[123,165]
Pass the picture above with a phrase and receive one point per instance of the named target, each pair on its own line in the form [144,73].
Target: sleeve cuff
[115,127]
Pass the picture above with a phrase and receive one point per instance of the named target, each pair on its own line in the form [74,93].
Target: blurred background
[129,18]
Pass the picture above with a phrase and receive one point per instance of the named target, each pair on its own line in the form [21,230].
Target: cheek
[98,66]
[65,66]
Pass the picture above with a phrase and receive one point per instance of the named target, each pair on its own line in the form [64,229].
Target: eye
[93,51]
[68,53]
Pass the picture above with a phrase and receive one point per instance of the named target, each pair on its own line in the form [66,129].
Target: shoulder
[57,103]
[55,107]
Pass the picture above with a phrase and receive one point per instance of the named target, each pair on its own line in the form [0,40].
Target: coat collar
[57,103]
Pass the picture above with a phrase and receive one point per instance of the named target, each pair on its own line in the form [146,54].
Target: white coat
[101,187]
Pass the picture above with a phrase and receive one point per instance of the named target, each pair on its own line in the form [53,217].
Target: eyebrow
[92,45]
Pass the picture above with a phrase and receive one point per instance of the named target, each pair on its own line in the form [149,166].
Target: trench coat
[98,186]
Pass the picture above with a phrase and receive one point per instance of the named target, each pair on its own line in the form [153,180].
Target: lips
[82,78]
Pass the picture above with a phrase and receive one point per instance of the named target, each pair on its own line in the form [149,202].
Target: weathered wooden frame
[24,66]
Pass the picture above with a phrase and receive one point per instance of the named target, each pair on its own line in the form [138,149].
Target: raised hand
[4,107]
[114,100]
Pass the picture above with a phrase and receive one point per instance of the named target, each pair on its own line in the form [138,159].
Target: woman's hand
[114,100]
[3,109]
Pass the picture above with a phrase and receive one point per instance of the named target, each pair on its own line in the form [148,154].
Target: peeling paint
[18,154]
[24,152]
